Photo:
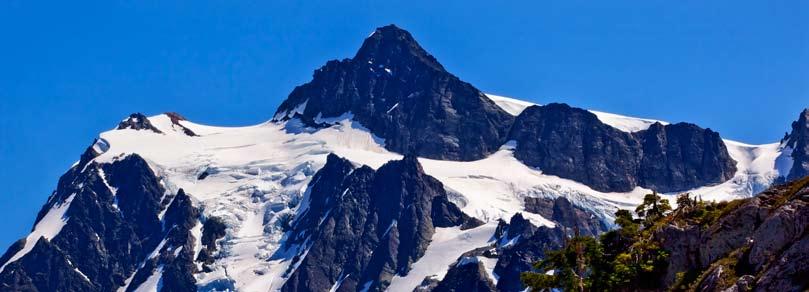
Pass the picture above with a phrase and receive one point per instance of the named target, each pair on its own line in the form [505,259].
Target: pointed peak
[800,130]
[408,164]
[390,46]
[390,29]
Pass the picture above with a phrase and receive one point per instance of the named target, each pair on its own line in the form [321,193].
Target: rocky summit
[402,94]
[385,172]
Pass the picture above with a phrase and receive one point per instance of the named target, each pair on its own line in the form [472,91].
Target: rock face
[572,143]
[520,244]
[569,216]
[682,156]
[468,274]
[137,121]
[212,230]
[111,235]
[798,140]
[361,226]
[402,94]
[761,244]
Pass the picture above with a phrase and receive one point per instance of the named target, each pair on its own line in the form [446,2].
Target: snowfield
[257,174]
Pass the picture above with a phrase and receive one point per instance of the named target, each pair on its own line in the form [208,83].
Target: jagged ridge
[361,227]
[573,143]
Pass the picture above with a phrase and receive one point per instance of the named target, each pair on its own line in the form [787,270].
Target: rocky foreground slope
[760,244]
[385,172]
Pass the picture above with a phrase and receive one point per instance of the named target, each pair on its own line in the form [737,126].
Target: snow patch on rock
[48,227]
[447,245]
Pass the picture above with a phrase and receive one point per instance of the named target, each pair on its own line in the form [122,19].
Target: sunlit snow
[47,227]
[258,174]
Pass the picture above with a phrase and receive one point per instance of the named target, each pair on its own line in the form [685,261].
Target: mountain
[385,172]
[368,225]
[402,94]
[106,226]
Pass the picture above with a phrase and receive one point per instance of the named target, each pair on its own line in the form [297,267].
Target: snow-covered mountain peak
[322,198]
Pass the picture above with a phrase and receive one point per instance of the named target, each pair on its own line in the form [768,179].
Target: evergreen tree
[652,209]
[626,259]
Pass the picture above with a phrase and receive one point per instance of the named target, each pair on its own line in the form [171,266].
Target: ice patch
[446,246]
[196,232]
[101,146]
[488,265]
[392,224]
[339,283]
[83,276]
[392,108]
[153,283]
[177,251]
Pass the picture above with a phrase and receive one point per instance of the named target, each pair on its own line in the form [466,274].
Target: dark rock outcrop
[682,156]
[363,226]
[569,216]
[212,230]
[467,274]
[573,143]
[111,227]
[401,93]
[137,121]
[175,119]
[798,140]
[519,245]
[99,147]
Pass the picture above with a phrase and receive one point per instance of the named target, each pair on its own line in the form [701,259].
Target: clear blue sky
[69,71]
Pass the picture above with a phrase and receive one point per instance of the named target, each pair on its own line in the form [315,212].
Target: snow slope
[257,174]
[48,227]
[758,166]
[447,245]
[623,123]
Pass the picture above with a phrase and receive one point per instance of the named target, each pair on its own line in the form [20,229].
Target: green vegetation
[628,258]
[691,211]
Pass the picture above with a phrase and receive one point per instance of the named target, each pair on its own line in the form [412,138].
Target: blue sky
[70,71]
